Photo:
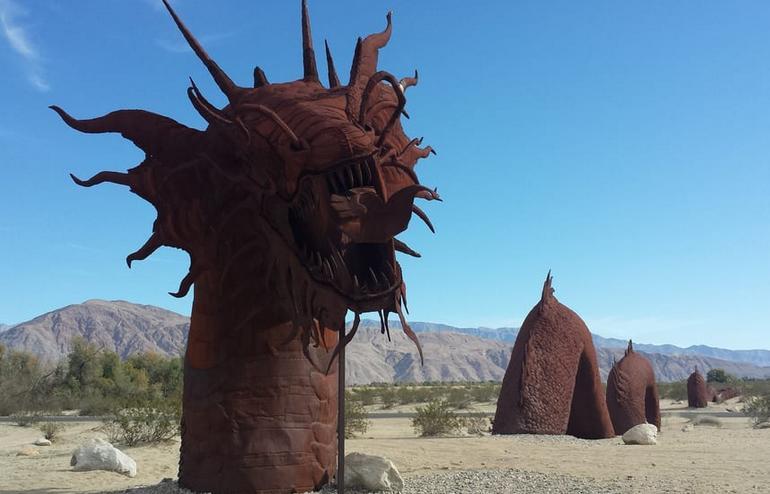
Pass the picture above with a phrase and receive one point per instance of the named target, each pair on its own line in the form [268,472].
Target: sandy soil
[733,458]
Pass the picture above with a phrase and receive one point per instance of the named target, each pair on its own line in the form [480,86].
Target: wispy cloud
[20,41]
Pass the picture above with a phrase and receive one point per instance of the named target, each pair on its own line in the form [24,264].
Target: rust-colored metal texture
[552,384]
[632,394]
[698,394]
[288,204]
[724,394]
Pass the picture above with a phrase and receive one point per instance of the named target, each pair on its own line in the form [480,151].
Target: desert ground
[733,458]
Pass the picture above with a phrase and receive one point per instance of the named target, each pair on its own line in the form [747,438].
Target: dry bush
[151,423]
[25,418]
[459,398]
[758,408]
[389,398]
[676,390]
[484,393]
[406,395]
[476,424]
[52,430]
[356,418]
[435,419]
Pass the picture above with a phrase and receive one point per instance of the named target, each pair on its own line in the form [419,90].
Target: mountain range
[756,357]
[451,354]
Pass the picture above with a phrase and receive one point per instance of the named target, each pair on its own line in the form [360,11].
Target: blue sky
[624,145]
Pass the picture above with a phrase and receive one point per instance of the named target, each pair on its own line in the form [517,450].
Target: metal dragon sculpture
[288,204]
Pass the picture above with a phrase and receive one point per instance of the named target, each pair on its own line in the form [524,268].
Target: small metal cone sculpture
[552,383]
[260,200]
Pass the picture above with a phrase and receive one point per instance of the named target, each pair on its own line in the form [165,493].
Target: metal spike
[260,79]
[101,177]
[402,247]
[151,245]
[308,54]
[334,81]
[223,81]
[424,217]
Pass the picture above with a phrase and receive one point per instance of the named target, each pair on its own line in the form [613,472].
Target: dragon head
[298,185]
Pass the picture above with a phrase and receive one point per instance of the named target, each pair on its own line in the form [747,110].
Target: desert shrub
[476,424]
[356,418]
[484,393]
[435,418]
[426,394]
[149,423]
[406,395]
[459,398]
[389,398]
[25,418]
[758,408]
[755,387]
[706,420]
[94,404]
[52,430]
[676,390]
[367,396]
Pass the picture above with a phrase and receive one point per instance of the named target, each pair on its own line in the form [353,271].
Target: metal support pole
[341,416]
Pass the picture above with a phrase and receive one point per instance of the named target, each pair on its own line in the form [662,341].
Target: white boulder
[98,454]
[42,442]
[373,473]
[641,434]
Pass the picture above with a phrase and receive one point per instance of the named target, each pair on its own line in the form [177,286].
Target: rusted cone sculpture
[288,204]
[632,394]
[552,384]
[698,394]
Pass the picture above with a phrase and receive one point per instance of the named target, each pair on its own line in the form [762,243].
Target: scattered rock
[641,434]
[373,473]
[687,428]
[762,425]
[42,442]
[98,454]
[732,410]
[28,451]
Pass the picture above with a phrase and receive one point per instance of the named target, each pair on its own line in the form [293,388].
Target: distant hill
[4,327]
[497,350]
[756,357]
[498,334]
[118,326]
[451,354]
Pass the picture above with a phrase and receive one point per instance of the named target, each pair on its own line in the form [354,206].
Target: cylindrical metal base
[263,420]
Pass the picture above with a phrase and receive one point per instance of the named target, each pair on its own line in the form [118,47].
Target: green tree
[84,366]
[720,376]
